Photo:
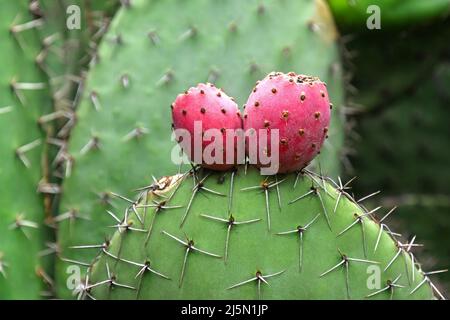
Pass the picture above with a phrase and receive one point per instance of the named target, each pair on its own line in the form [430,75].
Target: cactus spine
[276,237]
[23,174]
[142,65]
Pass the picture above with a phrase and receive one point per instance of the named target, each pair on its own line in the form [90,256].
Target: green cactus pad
[328,261]
[23,99]
[147,58]
[66,49]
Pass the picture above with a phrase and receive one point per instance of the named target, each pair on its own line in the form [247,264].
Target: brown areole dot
[283,141]
[254,89]
[331,106]
[301,132]
[183,112]
[261,8]
[274,90]
[313,145]
[266,123]
[317,115]
[232,26]
[223,110]
[222,130]
[325,130]
[202,91]
[257,104]
[202,110]
[287,51]
[219,94]
[322,94]
[285,114]
[302,96]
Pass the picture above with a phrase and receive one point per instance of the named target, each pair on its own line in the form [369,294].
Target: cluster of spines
[116,41]
[52,62]
[383,113]
[67,78]
[26,20]
[318,187]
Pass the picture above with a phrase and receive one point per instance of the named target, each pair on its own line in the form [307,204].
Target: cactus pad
[278,237]
[146,58]
[23,99]
[393,13]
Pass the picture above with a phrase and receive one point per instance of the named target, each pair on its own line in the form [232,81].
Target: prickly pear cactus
[277,237]
[145,59]
[69,42]
[68,46]
[23,167]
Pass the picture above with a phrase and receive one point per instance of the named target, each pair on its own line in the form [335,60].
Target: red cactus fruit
[216,112]
[299,107]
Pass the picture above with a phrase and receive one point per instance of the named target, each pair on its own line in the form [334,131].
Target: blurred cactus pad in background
[93,207]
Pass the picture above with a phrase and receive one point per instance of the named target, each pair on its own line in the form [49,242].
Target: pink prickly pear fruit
[299,107]
[207,114]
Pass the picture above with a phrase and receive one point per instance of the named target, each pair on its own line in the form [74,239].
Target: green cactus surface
[270,237]
[24,98]
[67,49]
[123,122]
